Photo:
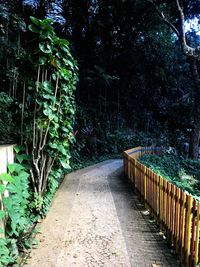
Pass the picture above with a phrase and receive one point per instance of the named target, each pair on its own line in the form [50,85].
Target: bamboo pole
[196,256]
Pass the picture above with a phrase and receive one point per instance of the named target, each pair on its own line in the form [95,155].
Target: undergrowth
[87,161]
[183,172]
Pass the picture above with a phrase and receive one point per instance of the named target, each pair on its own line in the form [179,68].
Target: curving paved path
[97,221]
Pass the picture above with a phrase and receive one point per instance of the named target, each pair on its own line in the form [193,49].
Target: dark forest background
[138,72]
[136,85]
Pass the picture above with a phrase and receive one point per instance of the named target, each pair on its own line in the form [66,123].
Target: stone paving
[97,221]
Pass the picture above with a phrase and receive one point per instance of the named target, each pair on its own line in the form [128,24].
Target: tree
[193,56]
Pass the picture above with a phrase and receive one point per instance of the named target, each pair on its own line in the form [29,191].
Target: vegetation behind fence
[177,212]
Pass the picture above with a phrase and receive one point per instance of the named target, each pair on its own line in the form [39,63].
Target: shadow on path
[96,221]
[145,243]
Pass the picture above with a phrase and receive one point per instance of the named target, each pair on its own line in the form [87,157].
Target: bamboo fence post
[192,246]
[177,213]
[196,256]
[145,186]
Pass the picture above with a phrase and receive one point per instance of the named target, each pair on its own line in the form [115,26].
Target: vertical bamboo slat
[145,185]
[160,199]
[192,246]
[189,232]
[177,212]
[196,256]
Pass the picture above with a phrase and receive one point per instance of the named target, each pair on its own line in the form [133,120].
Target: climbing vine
[53,111]
[47,115]
[16,221]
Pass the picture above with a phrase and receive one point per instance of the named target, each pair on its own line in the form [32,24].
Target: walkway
[96,220]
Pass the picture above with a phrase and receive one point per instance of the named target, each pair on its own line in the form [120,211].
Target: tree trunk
[195,135]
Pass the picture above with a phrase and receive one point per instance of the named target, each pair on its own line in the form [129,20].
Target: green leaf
[66,74]
[45,48]
[19,148]
[62,42]
[23,175]
[2,214]
[35,20]
[6,178]
[47,111]
[2,188]
[62,150]
[54,76]
[42,60]
[33,28]
[46,22]
[46,33]
[15,167]
[49,97]
[22,157]
[70,63]
[65,165]
[53,145]
[47,86]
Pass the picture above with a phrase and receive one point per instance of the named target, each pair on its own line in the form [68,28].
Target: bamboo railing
[176,212]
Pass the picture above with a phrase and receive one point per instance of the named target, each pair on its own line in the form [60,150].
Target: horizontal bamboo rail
[176,212]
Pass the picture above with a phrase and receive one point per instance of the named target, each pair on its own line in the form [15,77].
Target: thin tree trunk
[22,114]
[195,135]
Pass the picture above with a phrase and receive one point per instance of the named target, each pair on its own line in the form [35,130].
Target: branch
[22,115]
[44,158]
[47,172]
[162,16]
[35,108]
[187,50]
[182,18]
[33,180]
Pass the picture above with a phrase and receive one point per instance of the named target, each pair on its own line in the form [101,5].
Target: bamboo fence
[176,212]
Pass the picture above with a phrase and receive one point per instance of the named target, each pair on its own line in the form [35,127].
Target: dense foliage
[138,85]
[133,74]
[53,109]
[44,108]
[183,172]
[16,212]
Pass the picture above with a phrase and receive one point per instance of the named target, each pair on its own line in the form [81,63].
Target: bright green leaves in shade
[19,148]
[45,48]
[48,87]
[55,109]
[2,214]
[65,74]
[42,60]
[5,257]
[15,168]
[63,43]
[16,205]
[65,165]
[35,20]
[15,189]
[22,157]
[42,24]
[33,28]
[6,178]
[2,188]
